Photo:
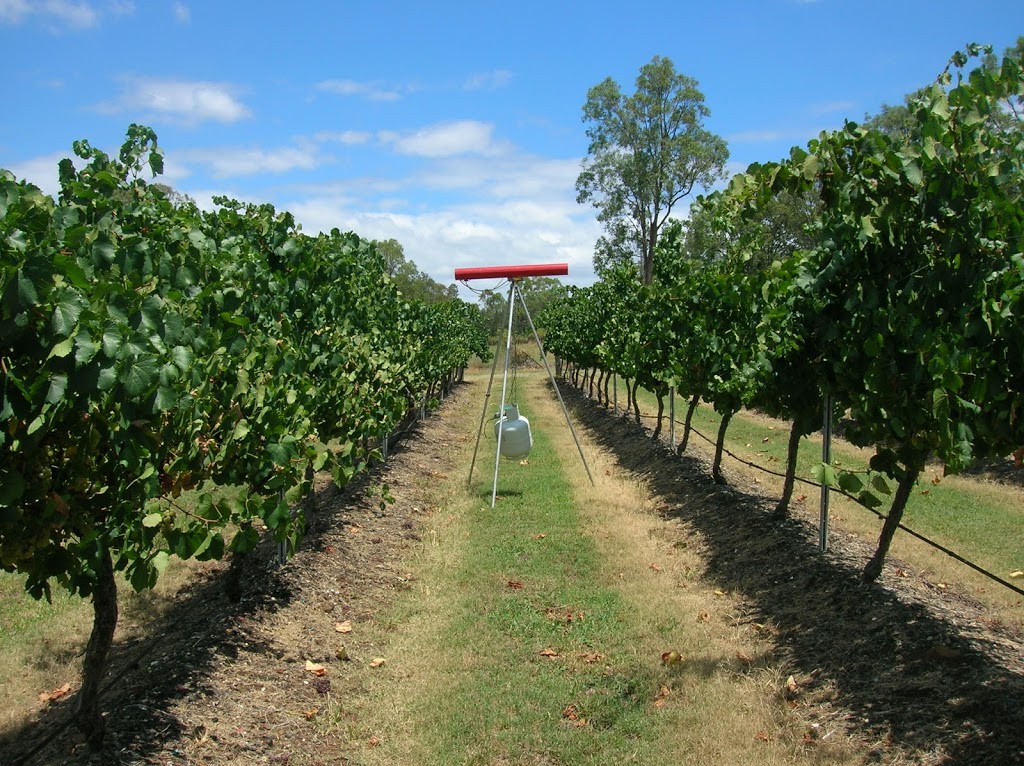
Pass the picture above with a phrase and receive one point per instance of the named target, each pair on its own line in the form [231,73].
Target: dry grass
[390,711]
[41,644]
[730,691]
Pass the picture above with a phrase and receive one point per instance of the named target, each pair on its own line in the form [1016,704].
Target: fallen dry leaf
[572,715]
[308,714]
[376,662]
[656,567]
[591,657]
[514,584]
[762,736]
[373,741]
[742,656]
[549,652]
[343,627]
[661,697]
[55,695]
[791,685]
[524,462]
[1018,574]
[539,536]
[703,617]
[315,668]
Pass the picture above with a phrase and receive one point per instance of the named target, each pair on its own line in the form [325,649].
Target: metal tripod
[513,293]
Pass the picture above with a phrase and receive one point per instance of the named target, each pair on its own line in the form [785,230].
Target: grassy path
[538,630]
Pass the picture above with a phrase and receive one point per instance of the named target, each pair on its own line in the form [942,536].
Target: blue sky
[454,127]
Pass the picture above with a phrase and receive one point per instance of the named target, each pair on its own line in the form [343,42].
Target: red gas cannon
[512,272]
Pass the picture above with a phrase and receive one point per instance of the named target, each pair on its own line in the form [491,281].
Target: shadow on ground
[912,670]
[175,662]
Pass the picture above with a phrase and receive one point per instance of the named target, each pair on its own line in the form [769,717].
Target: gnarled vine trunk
[716,469]
[660,394]
[88,717]
[686,425]
[892,523]
[782,509]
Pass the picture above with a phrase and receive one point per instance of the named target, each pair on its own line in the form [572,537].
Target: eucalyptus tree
[648,151]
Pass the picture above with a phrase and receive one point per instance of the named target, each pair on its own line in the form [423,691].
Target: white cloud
[182,101]
[229,162]
[121,7]
[505,210]
[499,78]
[369,90]
[830,107]
[42,171]
[447,139]
[181,13]
[13,11]
[347,137]
[79,14]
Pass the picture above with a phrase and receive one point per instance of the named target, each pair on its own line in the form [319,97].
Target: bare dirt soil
[912,673]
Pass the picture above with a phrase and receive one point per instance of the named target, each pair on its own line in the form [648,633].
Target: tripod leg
[504,386]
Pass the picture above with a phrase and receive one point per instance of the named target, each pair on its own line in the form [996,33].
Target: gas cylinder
[516,438]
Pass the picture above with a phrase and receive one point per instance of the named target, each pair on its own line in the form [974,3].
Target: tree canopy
[647,152]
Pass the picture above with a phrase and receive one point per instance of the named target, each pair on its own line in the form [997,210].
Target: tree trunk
[600,380]
[629,396]
[607,399]
[782,509]
[310,504]
[716,469]
[636,402]
[661,411]
[686,425]
[88,717]
[892,522]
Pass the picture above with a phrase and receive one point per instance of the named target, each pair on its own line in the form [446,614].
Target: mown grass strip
[542,667]
[536,631]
